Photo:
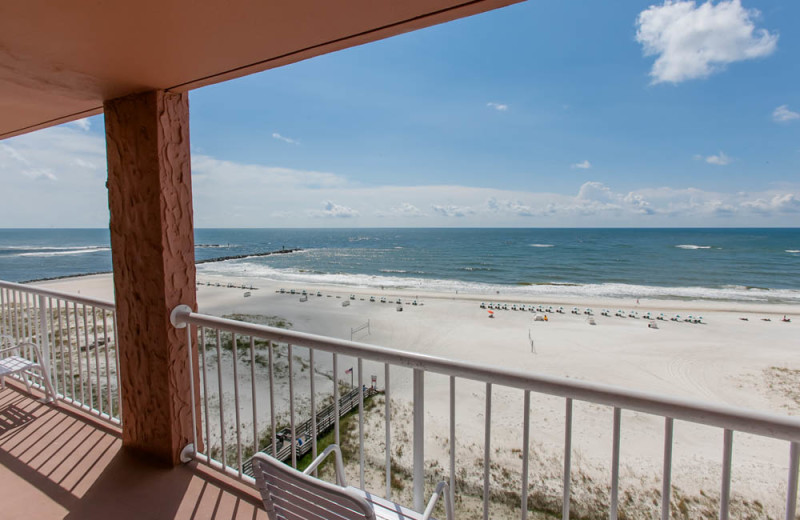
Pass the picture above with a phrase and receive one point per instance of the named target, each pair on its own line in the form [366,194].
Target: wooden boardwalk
[303,432]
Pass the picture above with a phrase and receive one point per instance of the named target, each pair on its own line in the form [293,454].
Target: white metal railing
[77,338]
[214,335]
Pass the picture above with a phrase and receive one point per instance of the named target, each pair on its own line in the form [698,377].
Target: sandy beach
[751,364]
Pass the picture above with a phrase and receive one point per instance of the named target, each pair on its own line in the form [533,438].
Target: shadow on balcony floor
[57,463]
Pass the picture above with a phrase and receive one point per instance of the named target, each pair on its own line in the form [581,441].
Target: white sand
[725,361]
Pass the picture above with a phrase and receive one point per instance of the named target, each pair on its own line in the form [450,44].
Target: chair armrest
[340,477]
[441,489]
[25,343]
[9,349]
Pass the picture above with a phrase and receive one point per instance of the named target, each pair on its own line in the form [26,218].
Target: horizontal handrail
[711,414]
[83,300]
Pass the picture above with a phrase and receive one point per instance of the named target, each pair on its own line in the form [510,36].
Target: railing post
[791,495]
[43,338]
[419,440]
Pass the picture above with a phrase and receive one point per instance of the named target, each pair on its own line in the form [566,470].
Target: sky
[541,114]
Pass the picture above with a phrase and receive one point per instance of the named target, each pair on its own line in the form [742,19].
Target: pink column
[152,249]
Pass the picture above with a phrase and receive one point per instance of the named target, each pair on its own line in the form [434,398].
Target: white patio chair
[12,362]
[289,494]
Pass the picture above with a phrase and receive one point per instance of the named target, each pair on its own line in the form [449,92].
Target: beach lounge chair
[12,362]
[290,494]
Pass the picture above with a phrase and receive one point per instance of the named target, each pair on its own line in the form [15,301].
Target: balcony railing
[77,338]
[262,366]
[232,429]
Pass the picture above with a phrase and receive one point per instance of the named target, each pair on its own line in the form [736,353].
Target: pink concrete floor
[59,463]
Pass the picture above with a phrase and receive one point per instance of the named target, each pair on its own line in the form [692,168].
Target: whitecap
[793,250]
[68,252]
[542,245]
[607,290]
[50,248]
[692,246]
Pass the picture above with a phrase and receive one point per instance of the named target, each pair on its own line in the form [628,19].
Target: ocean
[759,265]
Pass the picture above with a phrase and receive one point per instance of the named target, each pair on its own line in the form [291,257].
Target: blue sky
[540,114]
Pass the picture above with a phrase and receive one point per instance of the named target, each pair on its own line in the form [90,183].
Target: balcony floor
[58,463]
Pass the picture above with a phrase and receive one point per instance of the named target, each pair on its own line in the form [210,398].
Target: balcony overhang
[59,61]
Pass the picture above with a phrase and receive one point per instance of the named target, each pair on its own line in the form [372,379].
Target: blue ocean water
[723,264]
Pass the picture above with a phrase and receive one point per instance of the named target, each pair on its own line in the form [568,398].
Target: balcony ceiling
[60,60]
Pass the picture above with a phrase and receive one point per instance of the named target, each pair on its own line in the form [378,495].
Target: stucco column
[152,250]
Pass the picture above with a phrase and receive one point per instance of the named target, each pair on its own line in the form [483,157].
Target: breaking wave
[605,290]
[66,251]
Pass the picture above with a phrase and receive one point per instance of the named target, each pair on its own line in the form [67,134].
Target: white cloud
[452,211]
[276,135]
[229,173]
[54,177]
[583,165]
[782,114]
[403,210]
[513,207]
[692,41]
[84,124]
[719,160]
[332,210]
[783,203]
[230,194]
[502,107]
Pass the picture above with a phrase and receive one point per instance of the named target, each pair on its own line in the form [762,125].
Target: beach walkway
[303,432]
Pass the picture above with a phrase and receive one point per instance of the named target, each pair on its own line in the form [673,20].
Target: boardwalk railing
[326,418]
[77,338]
[245,342]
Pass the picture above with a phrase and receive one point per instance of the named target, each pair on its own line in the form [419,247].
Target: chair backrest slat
[292,495]
[313,503]
[306,487]
[292,511]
